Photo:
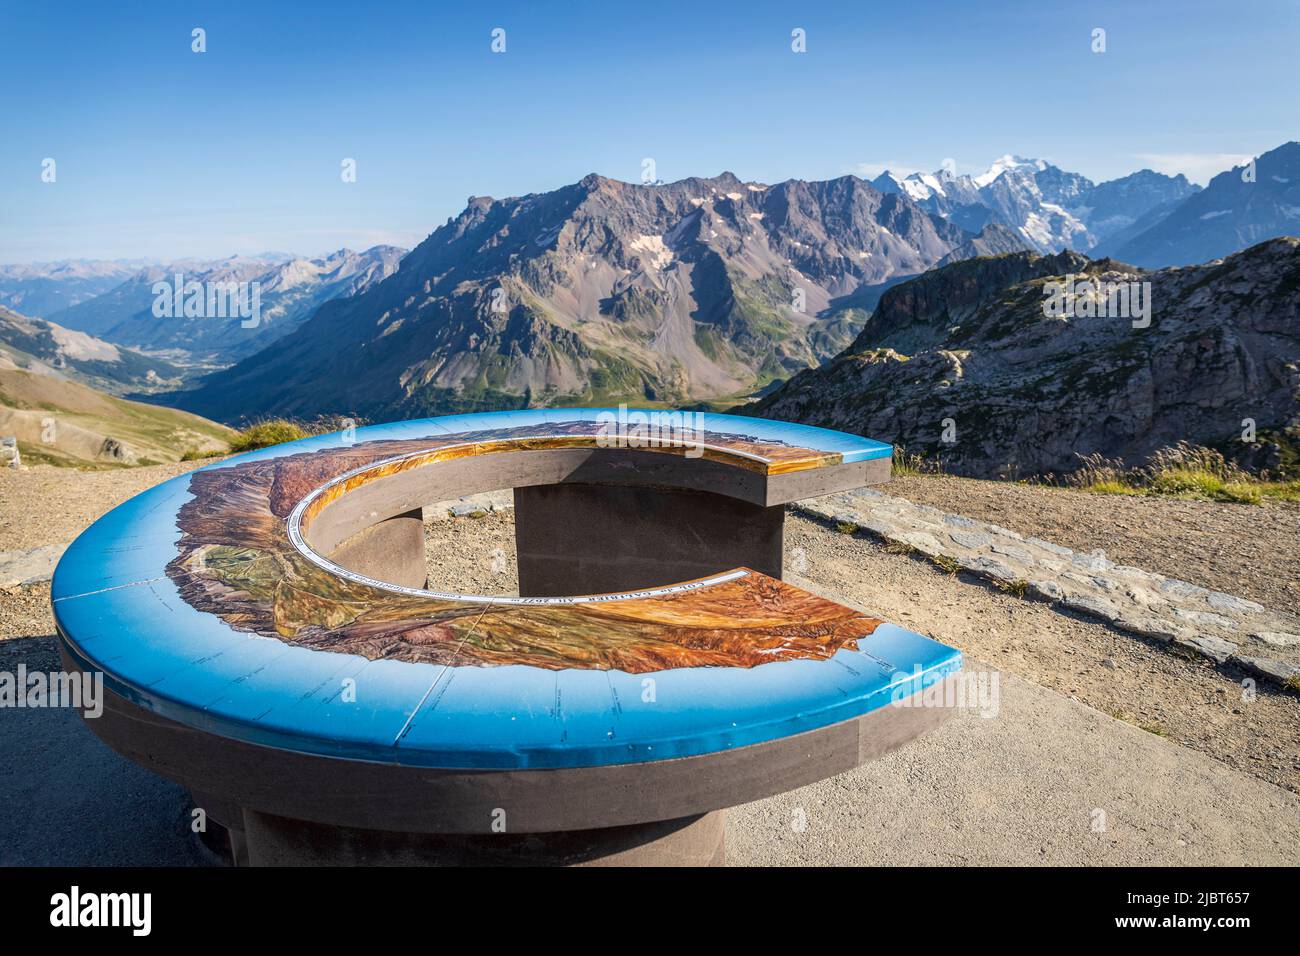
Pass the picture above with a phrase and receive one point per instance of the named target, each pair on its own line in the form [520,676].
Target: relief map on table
[236,561]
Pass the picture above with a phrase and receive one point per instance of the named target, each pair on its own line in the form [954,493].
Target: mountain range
[707,290]
[1238,208]
[703,289]
[40,288]
[969,349]
[1048,208]
[291,288]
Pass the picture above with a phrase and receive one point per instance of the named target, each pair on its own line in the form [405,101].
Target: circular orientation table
[272,637]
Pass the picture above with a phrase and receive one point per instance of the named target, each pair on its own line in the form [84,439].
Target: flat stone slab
[35,566]
[1222,627]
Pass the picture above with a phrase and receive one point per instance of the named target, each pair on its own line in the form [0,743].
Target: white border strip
[294,525]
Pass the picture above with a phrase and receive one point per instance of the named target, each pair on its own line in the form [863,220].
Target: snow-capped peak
[918,186]
[1004,163]
[915,188]
[931,181]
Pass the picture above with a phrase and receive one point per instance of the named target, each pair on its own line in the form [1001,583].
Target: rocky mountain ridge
[1240,207]
[965,364]
[703,289]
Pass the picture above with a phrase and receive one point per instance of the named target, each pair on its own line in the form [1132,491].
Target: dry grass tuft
[1180,471]
[277,431]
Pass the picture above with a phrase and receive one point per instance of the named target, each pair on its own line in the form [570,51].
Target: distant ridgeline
[214,313]
[712,292]
[700,291]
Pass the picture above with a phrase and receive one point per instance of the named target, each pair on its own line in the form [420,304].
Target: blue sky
[162,152]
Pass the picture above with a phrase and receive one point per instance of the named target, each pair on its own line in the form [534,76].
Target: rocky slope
[290,291]
[46,348]
[992,240]
[1229,214]
[1028,393]
[600,291]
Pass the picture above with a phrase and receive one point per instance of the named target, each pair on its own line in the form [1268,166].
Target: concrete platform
[1024,788]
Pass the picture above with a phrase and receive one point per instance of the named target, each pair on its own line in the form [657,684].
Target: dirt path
[1246,550]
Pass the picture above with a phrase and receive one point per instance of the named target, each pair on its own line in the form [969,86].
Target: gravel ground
[1184,699]
[475,555]
[25,612]
[1246,550]
[70,800]
[49,505]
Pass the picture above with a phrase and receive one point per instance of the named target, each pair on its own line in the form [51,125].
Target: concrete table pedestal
[589,539]
[278,841]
